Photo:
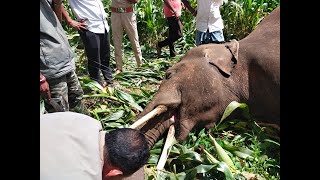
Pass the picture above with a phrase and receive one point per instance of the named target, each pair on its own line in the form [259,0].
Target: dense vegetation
[234,149]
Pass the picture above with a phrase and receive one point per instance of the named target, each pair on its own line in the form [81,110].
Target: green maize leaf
[120,121]
[231,107]
[115,116]
[187,154]
[181,176]
[192,174]
[127,97]
[228,146]
[153,159]
[202,168]
[241,152]
[210,157]
[183,149]
[242,155]
[273,142]
[223,126]
[93,85]
[165,175]
[101,111]
[223,167]
[174,150]
[158,144]
[145,93]
[71,36]
[223,156]
[155,151]
[113,125]
[130,116]
[245,150]
[191,156]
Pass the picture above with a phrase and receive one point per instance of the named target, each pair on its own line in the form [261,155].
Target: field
[233,149]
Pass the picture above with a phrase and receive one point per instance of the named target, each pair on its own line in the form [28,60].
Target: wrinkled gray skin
[199,87]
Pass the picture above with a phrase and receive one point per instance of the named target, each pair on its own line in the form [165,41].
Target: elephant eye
[168,75]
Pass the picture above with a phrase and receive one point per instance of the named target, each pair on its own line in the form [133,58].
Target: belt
[122,10]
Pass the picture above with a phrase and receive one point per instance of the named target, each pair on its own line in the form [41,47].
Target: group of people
[73,145]
[85,151]
[209,23]
[58,80]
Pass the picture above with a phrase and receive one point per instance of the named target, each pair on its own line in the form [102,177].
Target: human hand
[78,25]
[176,14]
[45,90]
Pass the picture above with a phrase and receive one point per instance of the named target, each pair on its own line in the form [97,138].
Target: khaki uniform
[124,21]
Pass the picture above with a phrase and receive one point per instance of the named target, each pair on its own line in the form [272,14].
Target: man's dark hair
[127,149]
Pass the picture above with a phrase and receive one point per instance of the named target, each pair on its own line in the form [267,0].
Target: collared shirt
[70,147]
[92,11]
[208,15]
[176,4]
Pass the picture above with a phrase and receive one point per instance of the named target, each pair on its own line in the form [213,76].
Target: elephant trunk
[167,101]
[152,135]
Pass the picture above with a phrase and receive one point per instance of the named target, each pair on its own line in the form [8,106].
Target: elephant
[196,90]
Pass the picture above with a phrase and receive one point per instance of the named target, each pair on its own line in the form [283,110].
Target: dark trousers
[97,48]
[175,32]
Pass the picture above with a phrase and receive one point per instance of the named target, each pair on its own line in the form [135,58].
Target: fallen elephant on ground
[196,90]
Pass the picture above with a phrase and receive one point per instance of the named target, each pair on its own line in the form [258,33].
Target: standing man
[94,31]
[123,18]
[58,80]
[172,12]
[209,23]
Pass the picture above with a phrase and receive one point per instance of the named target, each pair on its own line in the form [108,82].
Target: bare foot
[118,71]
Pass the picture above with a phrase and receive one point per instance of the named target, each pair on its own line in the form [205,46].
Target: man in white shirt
[94,31]
[209,23]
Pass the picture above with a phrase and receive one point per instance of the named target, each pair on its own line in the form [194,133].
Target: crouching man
[73,146]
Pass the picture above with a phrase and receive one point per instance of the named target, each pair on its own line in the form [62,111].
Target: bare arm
[75,24]
[191,9]
[56,6]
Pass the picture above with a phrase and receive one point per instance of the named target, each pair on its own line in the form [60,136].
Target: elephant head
[194,91]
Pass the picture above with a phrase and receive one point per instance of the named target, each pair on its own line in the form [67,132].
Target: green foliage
[240,150]
[253,150]
[242,16]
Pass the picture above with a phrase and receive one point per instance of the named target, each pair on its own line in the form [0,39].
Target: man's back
[69,147]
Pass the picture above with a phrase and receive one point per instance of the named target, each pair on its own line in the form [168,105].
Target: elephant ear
[224,56]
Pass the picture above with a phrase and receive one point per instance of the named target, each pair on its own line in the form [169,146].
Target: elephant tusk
[158,110]
[166,147]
